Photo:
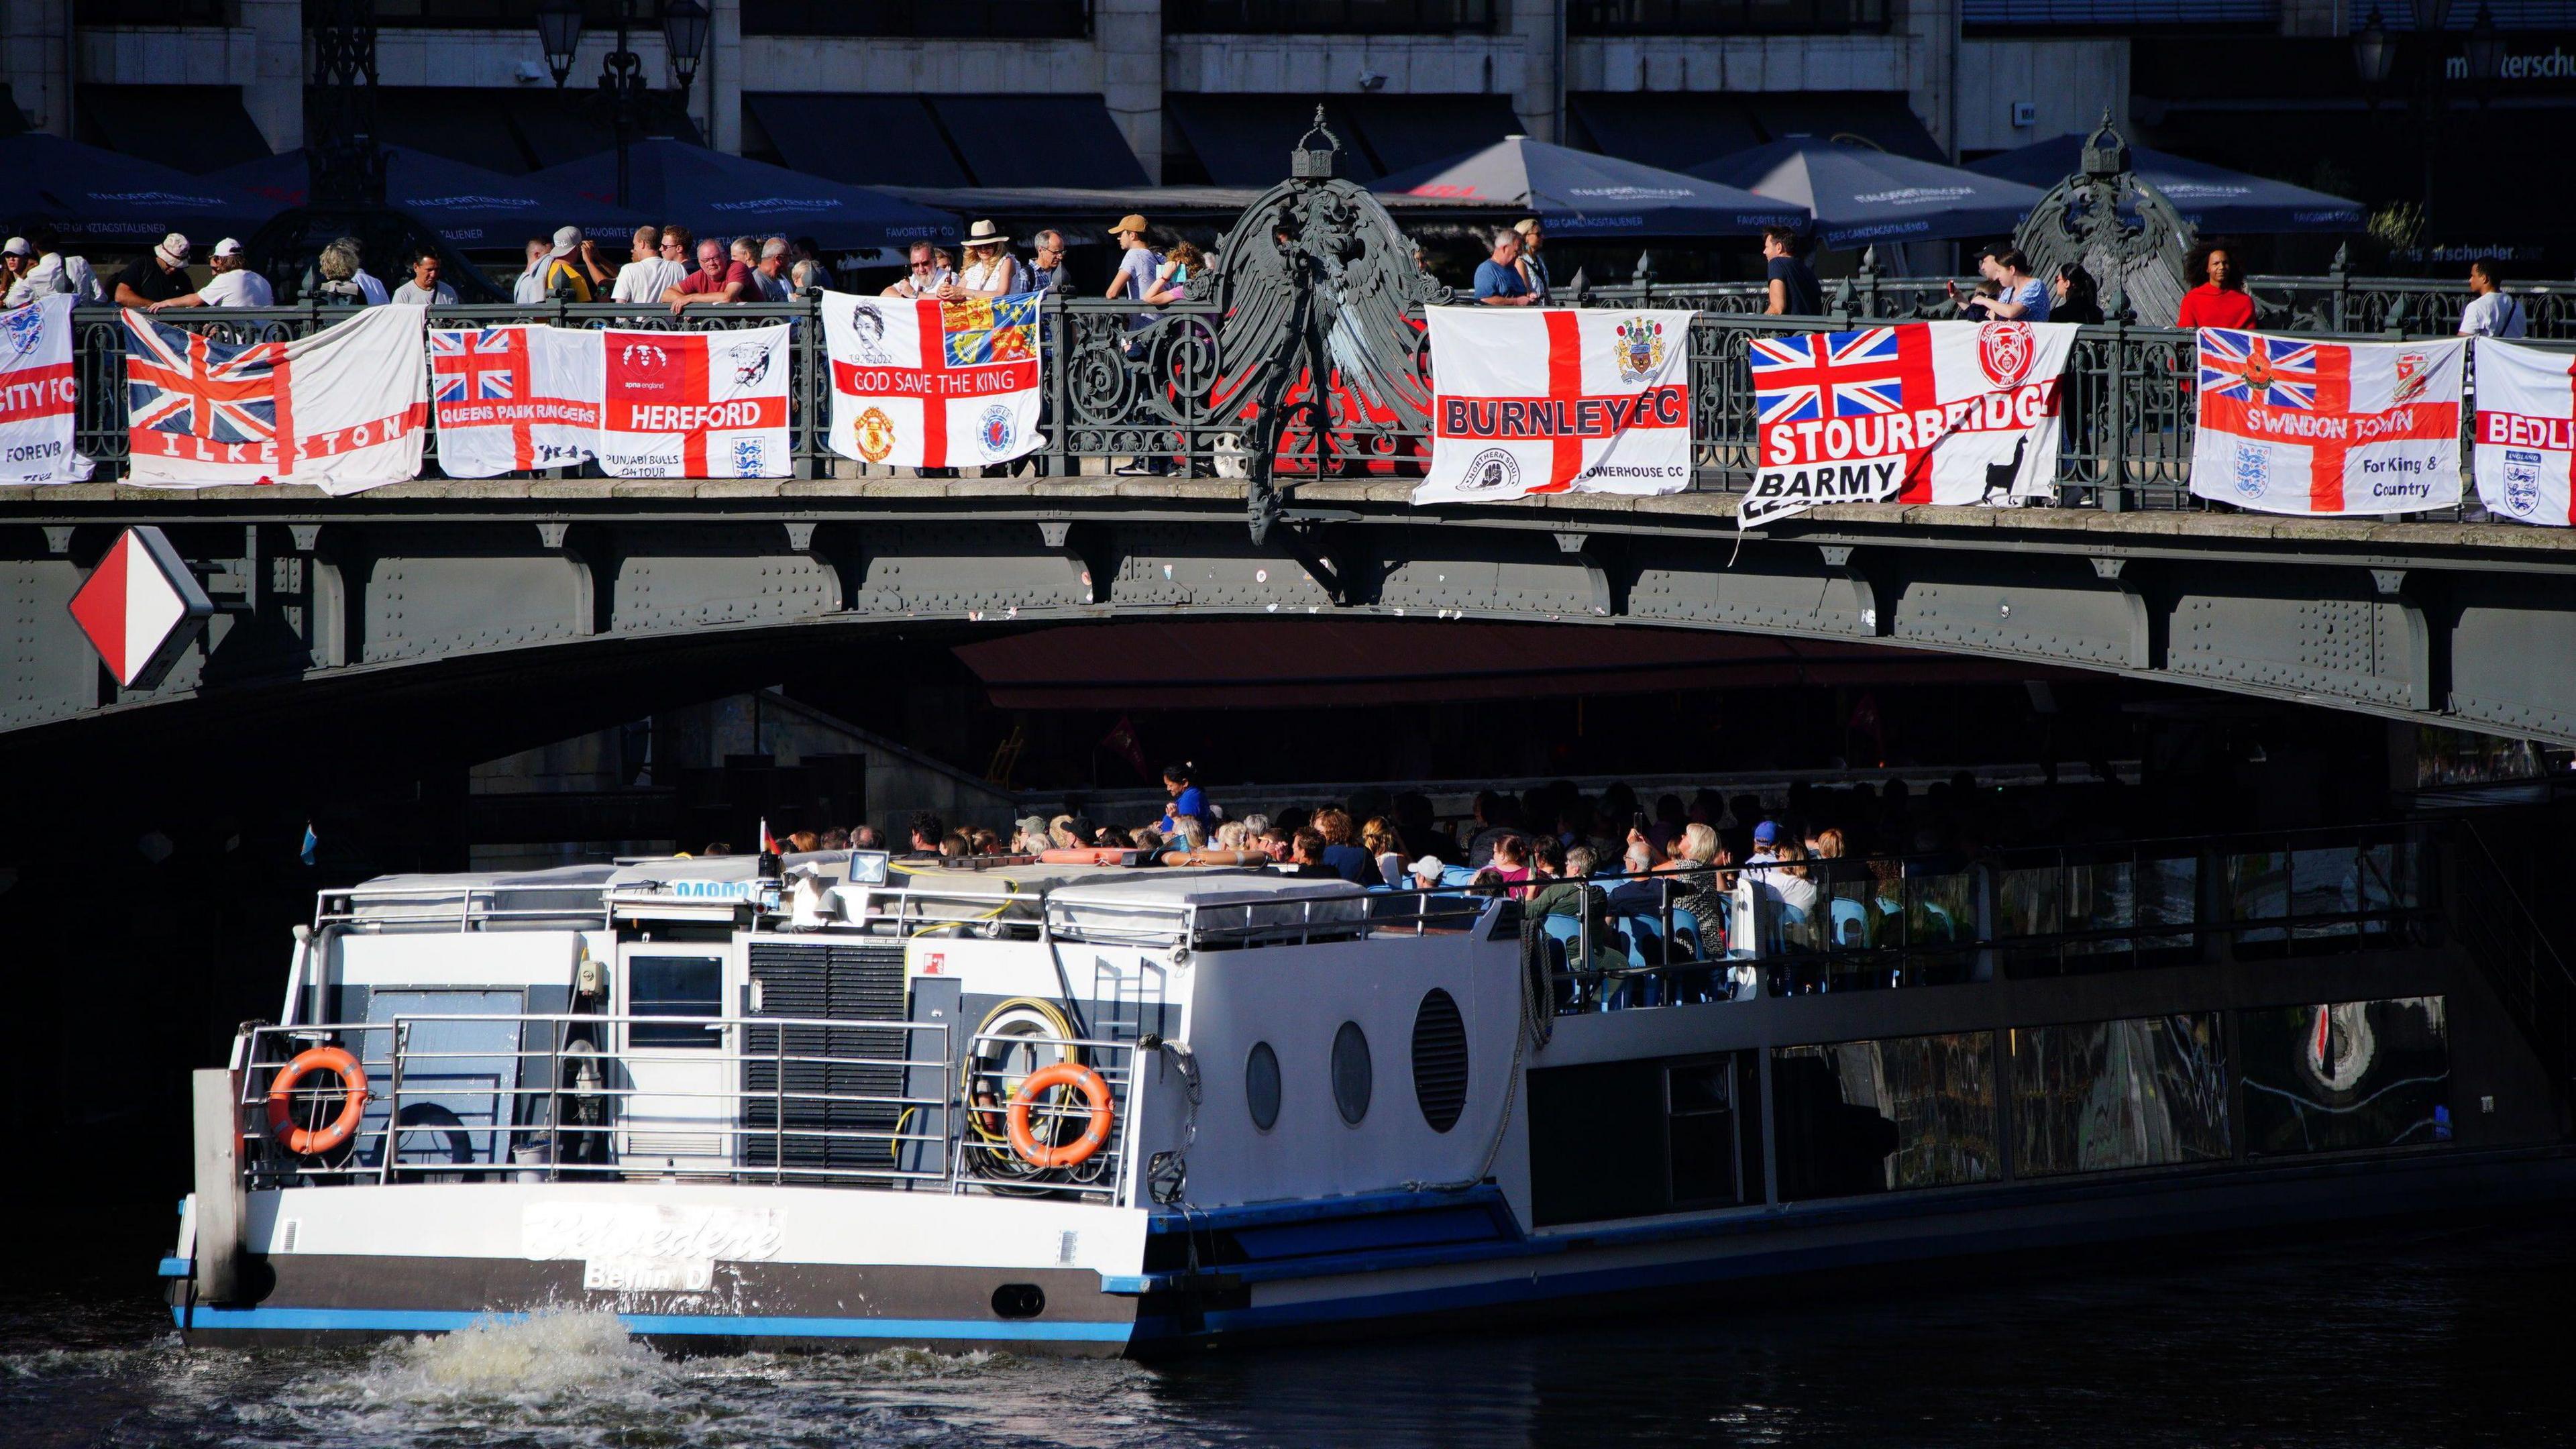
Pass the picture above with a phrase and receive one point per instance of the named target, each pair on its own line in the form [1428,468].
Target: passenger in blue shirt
[1499,282]
[1187,798]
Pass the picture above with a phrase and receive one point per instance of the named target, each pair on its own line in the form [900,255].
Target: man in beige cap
[233,284]
[1136,262]
[157,278]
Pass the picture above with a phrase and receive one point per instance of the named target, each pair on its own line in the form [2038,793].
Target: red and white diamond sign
[141,607]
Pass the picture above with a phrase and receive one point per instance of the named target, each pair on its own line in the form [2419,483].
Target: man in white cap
[51,271]
[1426,873]
[233,284]
[568,272]
[15,258]
[158,277]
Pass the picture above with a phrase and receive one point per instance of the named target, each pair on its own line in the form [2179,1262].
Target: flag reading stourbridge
[38,394]
[1526,400]
[695,404]
[924,384]
[2325,428]
[1919,412]
[2526,432]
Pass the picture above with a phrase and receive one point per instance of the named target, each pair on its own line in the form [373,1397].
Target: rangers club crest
[2007,350]
[994,432]
[1640,350]
[2521,481]
[874,435]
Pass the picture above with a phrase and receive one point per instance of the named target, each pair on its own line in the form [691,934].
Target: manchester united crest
[874,434]
[2007,350]
[1640,350]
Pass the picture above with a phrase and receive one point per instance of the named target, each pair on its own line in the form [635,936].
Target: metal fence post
[2113,494]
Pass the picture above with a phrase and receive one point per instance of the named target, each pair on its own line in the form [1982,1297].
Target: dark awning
[94,195]
[1039,141]
[1673,131]
[190,128]
[1860,194]
[1245,140]
[811,132]
[1579,193]
[1403,132]
[720,195]
[2211,198]
[466,205]
[512,132]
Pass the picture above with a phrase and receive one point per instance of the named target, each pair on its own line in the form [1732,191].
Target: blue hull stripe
[401,1320]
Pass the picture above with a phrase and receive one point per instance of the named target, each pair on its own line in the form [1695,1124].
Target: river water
[2448,1334]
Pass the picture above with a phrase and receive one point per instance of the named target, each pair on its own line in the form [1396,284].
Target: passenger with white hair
[769,275]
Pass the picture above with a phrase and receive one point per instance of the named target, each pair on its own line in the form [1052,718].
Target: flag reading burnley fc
[1919,412]
[924,384]
[2326,428]
[514,399]
[343,409]
[1531,400]
[695,404]
[2526,431]
[38,394]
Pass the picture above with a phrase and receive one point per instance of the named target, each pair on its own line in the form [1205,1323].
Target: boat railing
[465,907]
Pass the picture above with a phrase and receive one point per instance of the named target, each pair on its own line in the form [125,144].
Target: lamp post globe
[684,36]
[559,33]
[2372,54]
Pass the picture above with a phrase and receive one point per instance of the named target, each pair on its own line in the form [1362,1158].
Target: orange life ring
[312,1141]
[1061,1074]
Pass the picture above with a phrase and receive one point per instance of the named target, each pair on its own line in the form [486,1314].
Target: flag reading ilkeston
[345,408]
[1554,400]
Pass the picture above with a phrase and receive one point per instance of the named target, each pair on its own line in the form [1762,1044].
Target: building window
[2122,15]
[1880,1116]
[1724,17]
[681,986]
[2346,1075]
[156,12]
[944,19]
[1327,17]
[2097,1095]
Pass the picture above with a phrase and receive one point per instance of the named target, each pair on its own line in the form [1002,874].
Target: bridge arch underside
[368,614]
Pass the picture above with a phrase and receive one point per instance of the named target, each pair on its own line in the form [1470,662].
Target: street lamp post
[621,77]
[2374,56]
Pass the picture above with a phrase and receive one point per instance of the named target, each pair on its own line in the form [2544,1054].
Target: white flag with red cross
[39,394]
[343,409]
[2526,432]
[924,384]
[2288,425]
[695,404]
[514,399]
[1555,400]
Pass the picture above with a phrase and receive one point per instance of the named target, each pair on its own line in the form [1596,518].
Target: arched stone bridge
[455,592]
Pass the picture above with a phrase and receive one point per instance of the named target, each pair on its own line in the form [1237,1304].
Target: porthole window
[1352,1079]
[1261,1085]
[1439,1060]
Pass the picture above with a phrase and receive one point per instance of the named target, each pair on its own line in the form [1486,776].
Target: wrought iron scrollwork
[2120,228]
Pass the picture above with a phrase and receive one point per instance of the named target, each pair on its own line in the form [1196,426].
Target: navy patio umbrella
[1578,193]
[1860,194]
[92,195]
[2211,198]
[466,205]
[715,194]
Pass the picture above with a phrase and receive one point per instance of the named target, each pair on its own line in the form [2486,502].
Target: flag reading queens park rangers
[2324,428]
[924,384]
[513,399]
[38,394]
[1918,412]
[695,404]
[343,409]
[1529,400]
[2526,432]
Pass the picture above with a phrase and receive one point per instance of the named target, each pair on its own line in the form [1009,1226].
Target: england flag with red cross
[2526,432]
[38,394]
[924,384]
[344,409]
[2289,425]
[1916,412]
[514,399]
[1555,400]
[695,404]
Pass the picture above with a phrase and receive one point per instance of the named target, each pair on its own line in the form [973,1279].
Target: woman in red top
[2219,300]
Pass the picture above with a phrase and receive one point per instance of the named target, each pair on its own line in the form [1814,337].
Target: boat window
[2343,1075]
[1637,1138]
[2089,1096]
[679,986]
[1712,1144]
[1352,1077]
[1879,1116]
[1261,1085]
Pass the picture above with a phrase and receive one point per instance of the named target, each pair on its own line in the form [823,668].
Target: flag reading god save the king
[2291,426]
[1921,412]
[924,384]
[2526,432]
[1548,401]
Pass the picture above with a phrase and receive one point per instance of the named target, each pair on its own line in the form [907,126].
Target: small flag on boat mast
[769,843]
[312,843]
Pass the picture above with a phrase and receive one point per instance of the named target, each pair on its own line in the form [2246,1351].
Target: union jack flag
[2256,369]
[1827,375]
[186,383]
[984,330]
[474,365]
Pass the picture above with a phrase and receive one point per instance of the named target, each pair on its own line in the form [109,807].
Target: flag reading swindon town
[926,384]
[514,399]
[39,394]
[1555,400]
[344,409]
[695,404]
[2289,425]
[2526,432]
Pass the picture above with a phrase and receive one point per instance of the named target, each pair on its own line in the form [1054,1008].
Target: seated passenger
[1385,847]
[1511,859]
[1576,897]
[1700,860]
[1352,862]
[1306,857]
[1488,882]
[927,834]
[1060,834]
[1789,882]
[1233,835]
[1425,873]
[955,844]
[1188,800]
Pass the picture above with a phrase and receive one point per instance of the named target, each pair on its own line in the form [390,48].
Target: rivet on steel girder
[2108,568]
[2389,581]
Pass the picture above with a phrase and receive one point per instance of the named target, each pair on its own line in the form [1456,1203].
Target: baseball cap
[1766,832]
[567,237]
[1130,222]
[17,247]
[174,249]
[1526,225]
[226,248]
[1427,865]
[1033,824]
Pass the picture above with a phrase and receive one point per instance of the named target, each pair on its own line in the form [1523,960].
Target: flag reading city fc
[695,404]
[1918,412]
[2526,432]
[1530,400]
[514,399]
[345,408]
[38,394]
[2293,426]
[924,384]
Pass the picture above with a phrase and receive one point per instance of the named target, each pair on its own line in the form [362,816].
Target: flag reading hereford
[38,394]
[1921,412]
[342,409]
[2292,426]
[2526,431]
[922,384]
[695,404]
[512,399]
[1549,401]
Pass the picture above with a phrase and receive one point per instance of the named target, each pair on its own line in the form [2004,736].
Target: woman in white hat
[990,271]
